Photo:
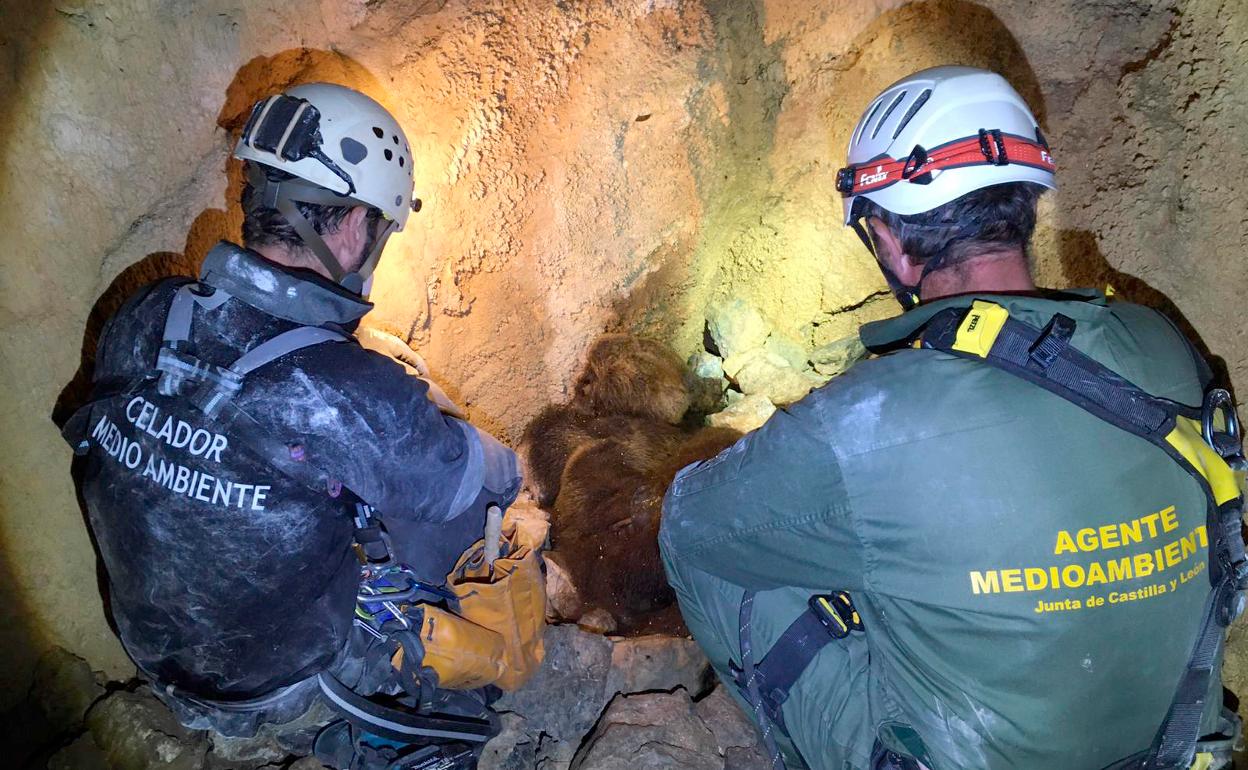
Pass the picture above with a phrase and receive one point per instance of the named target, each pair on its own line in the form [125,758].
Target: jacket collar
[295,295]
[901,331]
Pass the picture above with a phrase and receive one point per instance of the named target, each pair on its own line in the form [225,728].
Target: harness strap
[787,660]
[987,332]
[826,618]
[218,384]
[1045,358]
[748,681]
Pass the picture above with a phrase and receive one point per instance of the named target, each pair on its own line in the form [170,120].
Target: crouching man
[279,508]
[1002,543]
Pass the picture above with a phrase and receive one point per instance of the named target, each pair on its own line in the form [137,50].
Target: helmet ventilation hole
[884,118]
[401,161]
[377,132]
[389,155]
[914,108]
[862,129]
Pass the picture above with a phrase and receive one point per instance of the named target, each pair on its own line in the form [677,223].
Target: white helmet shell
[932,108]
[363,139]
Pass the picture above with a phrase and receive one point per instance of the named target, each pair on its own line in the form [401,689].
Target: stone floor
[599,703]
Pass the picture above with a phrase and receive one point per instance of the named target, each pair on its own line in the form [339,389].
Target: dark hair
[264,226]
[981,221]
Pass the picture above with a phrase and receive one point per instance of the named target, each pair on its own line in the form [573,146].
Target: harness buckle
[1228,443]
[1052,341]
[993,151]
[837,613]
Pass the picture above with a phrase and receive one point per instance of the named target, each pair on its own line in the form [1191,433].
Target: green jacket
[1031,578]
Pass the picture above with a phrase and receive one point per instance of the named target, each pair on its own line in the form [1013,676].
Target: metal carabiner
[1228,443]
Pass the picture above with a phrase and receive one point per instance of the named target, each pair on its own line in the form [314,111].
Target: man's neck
[281,255]
[1001,272]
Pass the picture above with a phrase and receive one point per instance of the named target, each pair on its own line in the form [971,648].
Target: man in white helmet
[1011,540]
[240,442]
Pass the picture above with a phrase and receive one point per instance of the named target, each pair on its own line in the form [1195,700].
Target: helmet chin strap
[361,281]
[906,296]
[283,195]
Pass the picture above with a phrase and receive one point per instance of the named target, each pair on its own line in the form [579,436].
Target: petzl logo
[970,327]
[878,176]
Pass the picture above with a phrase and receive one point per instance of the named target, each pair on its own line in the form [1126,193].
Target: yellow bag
[497,636]
[465,655]
[510,599]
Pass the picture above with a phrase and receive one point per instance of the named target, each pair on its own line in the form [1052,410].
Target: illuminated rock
[706,381]
[760,372]
[735,327]
[835,357]
[747,414]
[792,351]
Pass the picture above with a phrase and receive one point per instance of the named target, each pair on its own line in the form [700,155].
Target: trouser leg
[827,715]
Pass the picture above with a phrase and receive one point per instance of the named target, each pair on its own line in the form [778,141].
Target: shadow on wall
[1083,264]
[920,35]
[24,27]
[256,79]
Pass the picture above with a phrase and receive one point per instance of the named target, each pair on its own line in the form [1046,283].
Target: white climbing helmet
[343,148]
[939,134]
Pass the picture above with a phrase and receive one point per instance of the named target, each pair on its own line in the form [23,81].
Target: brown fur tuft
[629,375]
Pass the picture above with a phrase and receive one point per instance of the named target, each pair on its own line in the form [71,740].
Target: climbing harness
[765,685]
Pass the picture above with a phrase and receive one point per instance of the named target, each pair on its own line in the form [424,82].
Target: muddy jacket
[1030,578]
[229,577]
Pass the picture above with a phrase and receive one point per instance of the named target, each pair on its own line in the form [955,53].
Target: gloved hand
[390,345]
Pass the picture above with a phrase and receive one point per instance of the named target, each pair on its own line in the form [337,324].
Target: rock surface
[759,372]
[736,326]
[658,731]
[835,357]
[746,414]
[125,727]
[136,732]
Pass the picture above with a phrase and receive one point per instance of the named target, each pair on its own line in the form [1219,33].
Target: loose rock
[82,754]
[747,414]
[515,748]
[563,601]
[758,372]
[834,358]
[649,663]
[706,382]
[64,688]
[736,326]
[598,621]
[667,730]
[792,351]
[136,731]
[582,673]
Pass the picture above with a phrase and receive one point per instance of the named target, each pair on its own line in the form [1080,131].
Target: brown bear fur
[558,431]
[603,463]
[606,521]
[628,375]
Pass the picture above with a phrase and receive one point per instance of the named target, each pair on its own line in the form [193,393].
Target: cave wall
[585,166]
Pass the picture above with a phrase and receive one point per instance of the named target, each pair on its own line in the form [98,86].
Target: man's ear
[889,251]
[353,234]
